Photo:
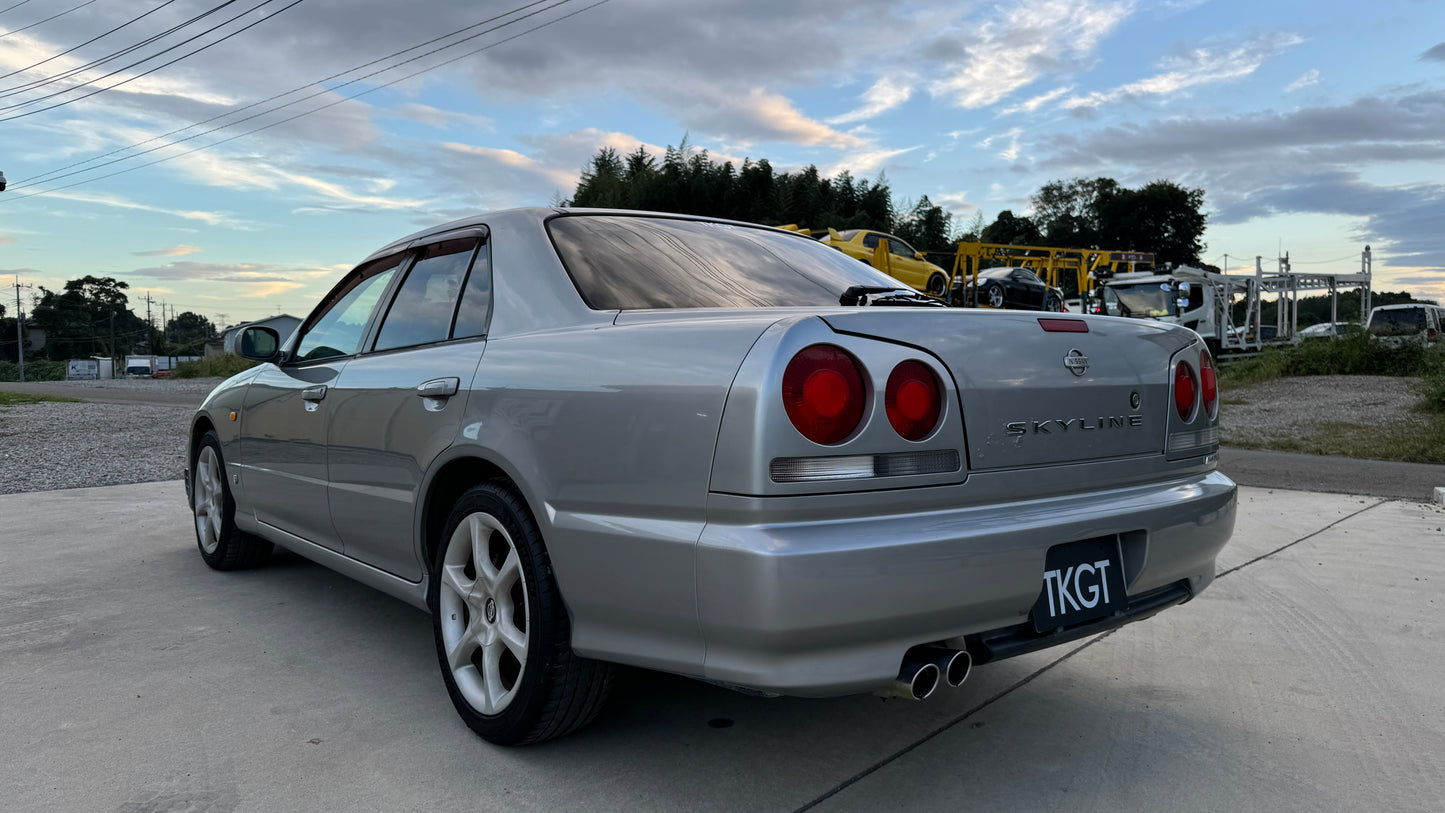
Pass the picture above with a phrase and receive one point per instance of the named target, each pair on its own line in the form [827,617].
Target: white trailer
[1203,301]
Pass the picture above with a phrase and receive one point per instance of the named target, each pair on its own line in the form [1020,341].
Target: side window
[338,330]
[476,301]
[870,240]
[899,248]
[423,308]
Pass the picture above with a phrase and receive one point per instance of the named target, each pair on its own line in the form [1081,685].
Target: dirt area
[1284,408]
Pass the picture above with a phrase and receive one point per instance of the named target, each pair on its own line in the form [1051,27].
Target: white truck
[140,366]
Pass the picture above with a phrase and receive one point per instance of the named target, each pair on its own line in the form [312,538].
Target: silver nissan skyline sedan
[582,438]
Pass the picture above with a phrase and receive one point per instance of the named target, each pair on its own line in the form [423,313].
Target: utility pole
[19,320]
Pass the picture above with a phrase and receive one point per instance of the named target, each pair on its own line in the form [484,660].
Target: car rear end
[891,482]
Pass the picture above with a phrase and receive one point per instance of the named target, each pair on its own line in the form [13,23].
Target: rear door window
[425,305]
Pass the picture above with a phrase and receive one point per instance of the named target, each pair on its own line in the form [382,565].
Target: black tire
[993,295]
[937,285]
[552,691]
[223,546]
[1053,304]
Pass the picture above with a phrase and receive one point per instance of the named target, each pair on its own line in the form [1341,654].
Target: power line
[53,175]
[93,39]
[237,32]
[328,105]
[17,5]
[47,19]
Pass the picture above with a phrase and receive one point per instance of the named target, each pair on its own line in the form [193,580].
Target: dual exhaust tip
[925,668]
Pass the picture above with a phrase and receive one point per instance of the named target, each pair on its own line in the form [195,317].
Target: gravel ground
[54,445]
[1292,407]
[49,446]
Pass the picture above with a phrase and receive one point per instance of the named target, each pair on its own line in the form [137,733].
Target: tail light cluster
[824,396]
[1204,384]
[1196,392]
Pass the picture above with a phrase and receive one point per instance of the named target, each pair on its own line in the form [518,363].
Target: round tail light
[913,400]
[823,393]
[1184,390]
[1208,385]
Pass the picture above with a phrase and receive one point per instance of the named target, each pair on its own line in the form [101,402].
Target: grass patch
[1356,354]
[19,398]
[35,370]
[1411,442]
[217,367]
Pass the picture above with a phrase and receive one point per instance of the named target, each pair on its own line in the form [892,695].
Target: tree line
[91,316]
[1083,213]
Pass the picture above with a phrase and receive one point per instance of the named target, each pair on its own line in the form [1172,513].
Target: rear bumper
[828,606]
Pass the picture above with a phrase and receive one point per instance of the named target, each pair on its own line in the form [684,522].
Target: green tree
[89,316]
[1162,217]
[1011,229]
[1069,213]
[926,227]
[188,333]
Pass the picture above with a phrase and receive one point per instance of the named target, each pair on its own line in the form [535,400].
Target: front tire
[223,545]
[502,634]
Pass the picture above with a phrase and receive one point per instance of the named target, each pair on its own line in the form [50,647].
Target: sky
[244,179]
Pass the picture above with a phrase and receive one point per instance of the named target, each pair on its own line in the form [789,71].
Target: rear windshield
[620,262]
[1397,322]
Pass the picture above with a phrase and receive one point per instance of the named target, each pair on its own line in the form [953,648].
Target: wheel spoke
[459,652]
[492,669]
[455,578]
[514,639]
[499,581]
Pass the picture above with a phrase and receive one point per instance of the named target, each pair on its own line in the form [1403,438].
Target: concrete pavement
[134,678]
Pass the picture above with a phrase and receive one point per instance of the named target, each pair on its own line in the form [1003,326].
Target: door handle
[315,393]
[439,388]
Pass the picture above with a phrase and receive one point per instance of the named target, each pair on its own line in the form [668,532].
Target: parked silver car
[581,438]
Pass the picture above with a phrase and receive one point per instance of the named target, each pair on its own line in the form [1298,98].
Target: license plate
[1082,581]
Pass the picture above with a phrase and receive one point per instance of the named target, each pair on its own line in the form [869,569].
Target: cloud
[1307,161]
[115,201]
[1199,66]
[513,160]
[885,94]
[5,241]
[246,280]
[1036,102]
[864,162]
[1031,38]
[1310,77]
[442,119]
[1436,53]
[174,251]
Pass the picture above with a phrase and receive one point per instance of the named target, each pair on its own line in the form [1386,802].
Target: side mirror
[918,255]
[1182,303]
[259,344]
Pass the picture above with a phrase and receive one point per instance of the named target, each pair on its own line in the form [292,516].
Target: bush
[1432,393]
[217,367]
[36,370]
[1355,354]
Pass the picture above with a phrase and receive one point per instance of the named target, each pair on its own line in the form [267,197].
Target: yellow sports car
[902,261]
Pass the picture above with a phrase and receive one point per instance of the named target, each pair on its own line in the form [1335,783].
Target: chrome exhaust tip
[916,681]
[955,665]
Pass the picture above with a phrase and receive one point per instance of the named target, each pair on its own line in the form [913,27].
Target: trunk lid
[1023,405]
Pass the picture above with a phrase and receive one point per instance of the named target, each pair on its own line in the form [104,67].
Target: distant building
[284,325]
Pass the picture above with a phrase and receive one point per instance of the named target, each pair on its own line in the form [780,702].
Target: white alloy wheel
[209,497]
[484,610]
[995,296]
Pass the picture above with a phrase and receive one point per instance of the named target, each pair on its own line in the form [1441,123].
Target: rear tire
[503,637]
[993,295]
[937,285]
[223,545]
[1053,304]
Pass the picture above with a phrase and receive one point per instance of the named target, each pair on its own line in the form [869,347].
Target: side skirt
[413,593]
